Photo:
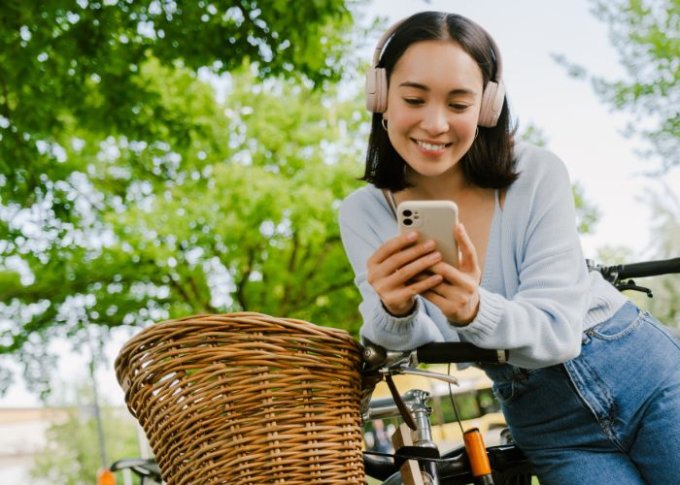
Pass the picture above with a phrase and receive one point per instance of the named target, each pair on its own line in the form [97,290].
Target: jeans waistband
[508,372]
[623,316]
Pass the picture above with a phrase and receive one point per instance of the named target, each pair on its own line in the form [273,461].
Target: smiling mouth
[432,147]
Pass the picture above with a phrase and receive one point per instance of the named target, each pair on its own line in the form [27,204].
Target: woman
[592,389]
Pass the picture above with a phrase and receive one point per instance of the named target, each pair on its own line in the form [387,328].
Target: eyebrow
[411,84]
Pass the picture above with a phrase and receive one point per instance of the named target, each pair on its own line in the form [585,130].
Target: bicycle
[421,459]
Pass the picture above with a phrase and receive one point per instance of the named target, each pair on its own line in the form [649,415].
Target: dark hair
[490,161]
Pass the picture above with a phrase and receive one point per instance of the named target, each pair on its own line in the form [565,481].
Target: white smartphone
[433,219]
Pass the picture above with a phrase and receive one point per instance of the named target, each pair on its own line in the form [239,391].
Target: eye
[413,101]
[459,106]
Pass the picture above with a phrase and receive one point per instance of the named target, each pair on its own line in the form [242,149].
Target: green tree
[69,456]
[80,64]
[131,191]
[646,34]
[665,206]
[241,218]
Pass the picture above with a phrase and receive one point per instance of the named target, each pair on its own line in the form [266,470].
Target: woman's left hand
[458,295]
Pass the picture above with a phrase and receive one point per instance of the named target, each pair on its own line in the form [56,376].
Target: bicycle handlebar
[142,467]
[459,352]
[377,357]
[617,272]
[462,352]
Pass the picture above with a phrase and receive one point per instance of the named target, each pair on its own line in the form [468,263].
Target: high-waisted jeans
[611,415]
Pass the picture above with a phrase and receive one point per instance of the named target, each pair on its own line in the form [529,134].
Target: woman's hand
[396,272]
[457,296]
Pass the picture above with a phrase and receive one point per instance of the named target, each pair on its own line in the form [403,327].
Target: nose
[435,120]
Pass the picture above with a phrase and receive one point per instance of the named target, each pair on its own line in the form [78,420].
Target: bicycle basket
[246,398]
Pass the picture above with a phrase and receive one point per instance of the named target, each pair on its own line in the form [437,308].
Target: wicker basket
[246,398]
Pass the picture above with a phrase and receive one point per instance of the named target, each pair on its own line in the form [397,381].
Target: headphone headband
[498,78]
[383,40]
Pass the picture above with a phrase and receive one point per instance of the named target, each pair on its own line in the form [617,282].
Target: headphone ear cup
[492,104]
[376,90]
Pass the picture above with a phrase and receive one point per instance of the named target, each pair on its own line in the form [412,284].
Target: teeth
[430,146]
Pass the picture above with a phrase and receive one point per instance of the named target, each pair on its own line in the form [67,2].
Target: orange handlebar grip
[476,451]
[106,477]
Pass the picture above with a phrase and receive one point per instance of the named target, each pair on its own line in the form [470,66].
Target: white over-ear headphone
[376,84]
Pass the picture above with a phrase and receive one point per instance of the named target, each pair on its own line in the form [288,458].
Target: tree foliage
[646,34]
[242,218]
[70,455]
[160,159]
[81,64]
[666,231]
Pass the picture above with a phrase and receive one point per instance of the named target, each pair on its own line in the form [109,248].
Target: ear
[384,121]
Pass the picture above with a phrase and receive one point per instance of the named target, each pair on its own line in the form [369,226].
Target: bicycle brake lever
[630,285]
[432,375]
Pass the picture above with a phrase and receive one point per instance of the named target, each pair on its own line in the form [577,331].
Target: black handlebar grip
[648,268]
[459,352]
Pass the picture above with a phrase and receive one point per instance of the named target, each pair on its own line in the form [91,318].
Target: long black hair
[490,162]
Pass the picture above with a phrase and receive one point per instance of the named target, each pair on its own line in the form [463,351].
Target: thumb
[469,262]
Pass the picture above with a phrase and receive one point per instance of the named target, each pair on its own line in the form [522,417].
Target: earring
[384,124]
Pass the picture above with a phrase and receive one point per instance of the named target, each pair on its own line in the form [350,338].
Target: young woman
[592,391]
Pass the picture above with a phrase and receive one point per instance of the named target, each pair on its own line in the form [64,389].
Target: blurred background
[163,158]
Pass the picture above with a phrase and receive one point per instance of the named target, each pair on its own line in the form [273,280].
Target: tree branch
[311,299]
[240,285]
[180,289]
[292,265]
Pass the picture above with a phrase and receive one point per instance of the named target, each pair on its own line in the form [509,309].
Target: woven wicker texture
[246,398]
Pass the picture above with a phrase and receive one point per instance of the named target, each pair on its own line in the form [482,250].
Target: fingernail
[411,236]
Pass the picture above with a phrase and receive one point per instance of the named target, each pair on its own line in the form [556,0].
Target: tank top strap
[389,197]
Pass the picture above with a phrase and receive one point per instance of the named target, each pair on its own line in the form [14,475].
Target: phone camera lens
[408,222]
[407,213]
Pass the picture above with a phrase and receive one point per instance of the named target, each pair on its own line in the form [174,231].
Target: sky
[579,127]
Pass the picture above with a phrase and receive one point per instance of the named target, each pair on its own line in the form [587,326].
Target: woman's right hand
[396,271]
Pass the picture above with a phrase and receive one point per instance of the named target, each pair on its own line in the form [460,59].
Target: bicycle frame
[507,464]
[416,402]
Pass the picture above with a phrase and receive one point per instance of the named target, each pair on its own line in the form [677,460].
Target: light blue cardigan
[536,295]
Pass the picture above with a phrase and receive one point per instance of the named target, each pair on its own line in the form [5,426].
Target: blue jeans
[611,415]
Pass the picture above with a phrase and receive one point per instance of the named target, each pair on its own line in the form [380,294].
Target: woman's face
[433,104]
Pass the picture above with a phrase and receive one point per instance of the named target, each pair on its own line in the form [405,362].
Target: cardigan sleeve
[541,321]
[364,227]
